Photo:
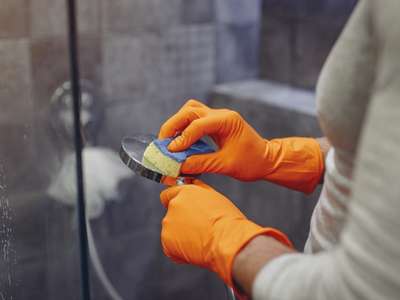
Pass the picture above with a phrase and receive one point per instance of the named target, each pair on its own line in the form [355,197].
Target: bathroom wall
[297,37]
[144,58]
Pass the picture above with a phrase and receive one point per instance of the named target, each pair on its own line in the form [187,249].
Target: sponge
[158,158]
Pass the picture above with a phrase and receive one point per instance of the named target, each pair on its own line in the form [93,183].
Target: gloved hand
[204,228]
[296,162]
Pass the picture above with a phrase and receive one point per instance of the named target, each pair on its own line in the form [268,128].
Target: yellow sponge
[156,160]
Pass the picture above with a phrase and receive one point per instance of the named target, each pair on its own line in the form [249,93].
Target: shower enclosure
[126,65]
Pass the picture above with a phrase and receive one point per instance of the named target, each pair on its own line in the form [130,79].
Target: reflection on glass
[39,257]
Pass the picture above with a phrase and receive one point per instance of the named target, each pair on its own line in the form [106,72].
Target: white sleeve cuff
[263,286]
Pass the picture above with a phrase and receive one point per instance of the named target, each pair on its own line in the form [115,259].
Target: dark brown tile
[123,67]
[131,66]
[326,8]
[29,223]
[129,17]
[48,17]
[50,65]
[237,12]
[197,11]
[279,8]
[18,157]
[188,63]
[237,51]
[15,81]
[176,63]
[14,18]
[31,279]
[276,49]
[307,8]
[89,16]
[315,38]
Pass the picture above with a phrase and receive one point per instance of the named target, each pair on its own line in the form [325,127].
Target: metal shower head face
[131,153]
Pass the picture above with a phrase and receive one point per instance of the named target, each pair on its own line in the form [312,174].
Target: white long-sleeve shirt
[353,251]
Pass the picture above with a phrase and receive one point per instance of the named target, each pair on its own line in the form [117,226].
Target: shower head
[131,153]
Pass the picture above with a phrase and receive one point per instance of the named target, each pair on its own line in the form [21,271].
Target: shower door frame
[76,93]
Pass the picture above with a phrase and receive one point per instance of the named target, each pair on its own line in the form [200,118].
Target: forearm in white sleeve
[365,264]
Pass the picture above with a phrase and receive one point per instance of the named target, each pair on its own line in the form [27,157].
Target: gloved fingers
[193,132]
[168,181]
[170,193]
[189,112]
[202,163]
[167,195]
[194,103]
[202,184]
[176,123]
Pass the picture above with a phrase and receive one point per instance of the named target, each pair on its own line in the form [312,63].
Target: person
[353,249]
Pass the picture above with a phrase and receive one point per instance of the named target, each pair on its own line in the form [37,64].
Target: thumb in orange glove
[295,162]
[204,228]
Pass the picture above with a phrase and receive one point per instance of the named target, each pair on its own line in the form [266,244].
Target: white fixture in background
[102,172]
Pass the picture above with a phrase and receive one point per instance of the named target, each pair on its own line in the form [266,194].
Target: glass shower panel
[39,253]
[140,60]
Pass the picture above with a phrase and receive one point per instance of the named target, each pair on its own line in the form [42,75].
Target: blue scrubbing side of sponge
[199,147]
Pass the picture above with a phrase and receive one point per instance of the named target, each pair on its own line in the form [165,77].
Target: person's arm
[253,257]
[366,262]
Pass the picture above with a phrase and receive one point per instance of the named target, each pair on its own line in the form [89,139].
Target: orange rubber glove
[296,162]
[204,228]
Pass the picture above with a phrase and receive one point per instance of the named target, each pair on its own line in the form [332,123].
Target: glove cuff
[234,240]
[296,163]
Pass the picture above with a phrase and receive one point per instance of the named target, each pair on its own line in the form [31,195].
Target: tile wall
[297,37]
[144,58]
